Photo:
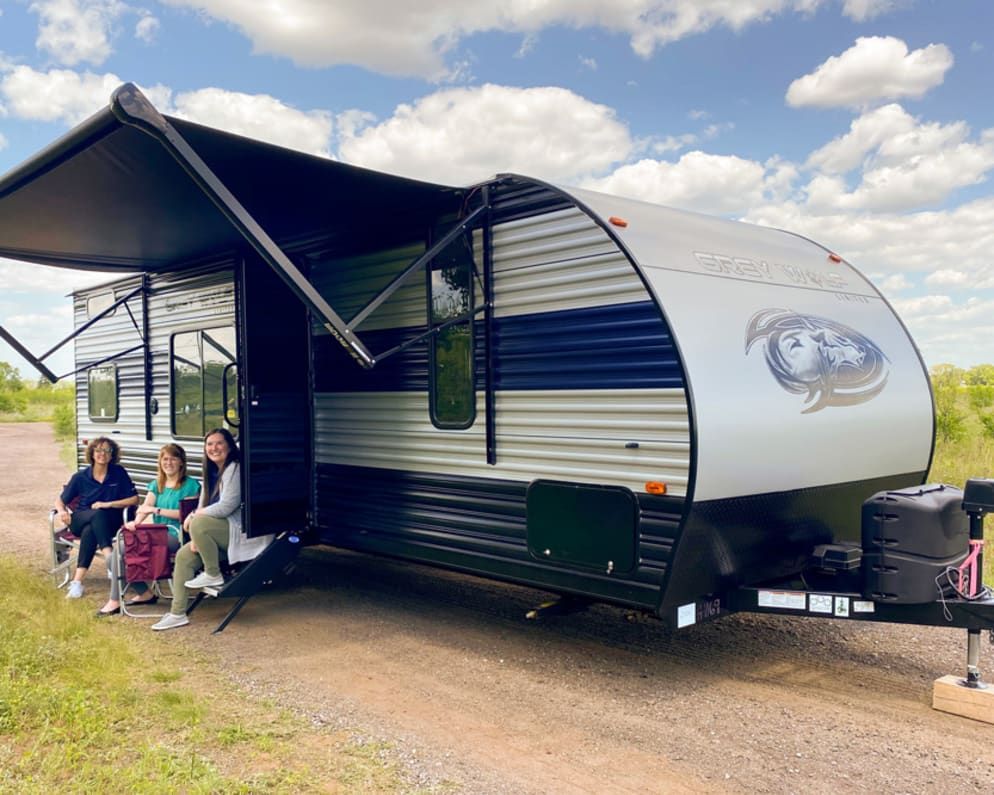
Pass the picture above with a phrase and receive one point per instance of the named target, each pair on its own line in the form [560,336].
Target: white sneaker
[169,621]
[205,580]
[75,590]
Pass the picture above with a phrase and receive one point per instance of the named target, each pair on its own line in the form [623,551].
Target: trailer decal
[834,364]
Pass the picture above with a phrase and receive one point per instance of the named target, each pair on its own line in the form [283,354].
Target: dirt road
[447,669]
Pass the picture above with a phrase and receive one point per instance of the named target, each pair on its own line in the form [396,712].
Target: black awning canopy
[130,190]
[108,196]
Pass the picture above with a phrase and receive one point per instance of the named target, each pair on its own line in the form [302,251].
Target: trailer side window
[102,393]
[204,381]
[98,303]
[450,352]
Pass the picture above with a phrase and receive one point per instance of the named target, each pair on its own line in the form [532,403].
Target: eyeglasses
[105,450]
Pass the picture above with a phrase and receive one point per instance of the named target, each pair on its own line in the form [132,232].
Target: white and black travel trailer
[594,396]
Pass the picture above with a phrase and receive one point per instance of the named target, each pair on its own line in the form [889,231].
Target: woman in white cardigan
[214,526]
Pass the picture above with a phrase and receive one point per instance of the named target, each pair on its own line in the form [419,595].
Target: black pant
[96,530]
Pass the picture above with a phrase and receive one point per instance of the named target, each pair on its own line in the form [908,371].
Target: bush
[64,421]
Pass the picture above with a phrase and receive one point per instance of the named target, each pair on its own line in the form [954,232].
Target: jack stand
[562,606]
[970,697]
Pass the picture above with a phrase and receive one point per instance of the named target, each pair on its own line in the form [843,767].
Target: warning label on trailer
[789,600]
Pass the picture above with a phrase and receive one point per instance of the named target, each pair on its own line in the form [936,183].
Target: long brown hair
[232,457]
[175,451]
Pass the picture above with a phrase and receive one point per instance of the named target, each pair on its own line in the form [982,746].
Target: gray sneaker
[205,580]
[75,590]
[170,621]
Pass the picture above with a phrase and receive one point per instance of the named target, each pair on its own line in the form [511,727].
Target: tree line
[964,400]
[41,400]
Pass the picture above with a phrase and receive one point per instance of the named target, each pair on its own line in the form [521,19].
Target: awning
[132,190]
[108,196]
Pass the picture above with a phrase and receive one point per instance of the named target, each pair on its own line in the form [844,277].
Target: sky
[865,125]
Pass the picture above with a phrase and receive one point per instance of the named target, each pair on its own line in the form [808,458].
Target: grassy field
[91,706]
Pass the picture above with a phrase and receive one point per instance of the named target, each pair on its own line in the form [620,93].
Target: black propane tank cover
[910,538]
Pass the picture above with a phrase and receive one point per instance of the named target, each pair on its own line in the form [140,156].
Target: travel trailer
[597,397]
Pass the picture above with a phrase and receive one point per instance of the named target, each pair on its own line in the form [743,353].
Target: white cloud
[146,28]
[463,135]
[416,39]
[894,283]
[62,95]
[697,181]
[862,10]
[950,331]
[24,278]
[905,163]
[980,278]
[874,68]
[76,31]
[887,243]
[58,95]
[4,143]
[256,116]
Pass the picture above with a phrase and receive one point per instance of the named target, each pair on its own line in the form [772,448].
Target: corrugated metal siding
[349,283]
[196,300]
[580,436]
[618,346]
[109,337]
[556,261]
[478,524]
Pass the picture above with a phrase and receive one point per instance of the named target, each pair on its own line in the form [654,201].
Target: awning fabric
[107,196]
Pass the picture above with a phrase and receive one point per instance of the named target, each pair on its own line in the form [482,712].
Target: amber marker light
[654,487]
[618,221]
[835,258]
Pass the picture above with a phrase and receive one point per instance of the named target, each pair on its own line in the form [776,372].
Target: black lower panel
[480,525]
[749,540]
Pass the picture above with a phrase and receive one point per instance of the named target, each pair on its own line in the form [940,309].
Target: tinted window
[450,283]
[204,381]
[102,393]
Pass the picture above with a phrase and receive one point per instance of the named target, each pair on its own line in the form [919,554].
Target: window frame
[90,391]
[445,328]
[229,370]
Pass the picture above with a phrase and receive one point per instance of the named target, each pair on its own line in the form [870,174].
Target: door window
[204,381]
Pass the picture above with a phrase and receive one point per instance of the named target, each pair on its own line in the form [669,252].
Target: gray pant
[115,565]
[210,536]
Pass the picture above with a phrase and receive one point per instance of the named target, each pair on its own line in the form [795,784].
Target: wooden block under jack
[949,695]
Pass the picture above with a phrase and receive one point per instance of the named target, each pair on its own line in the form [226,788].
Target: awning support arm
[463,225]
[35,362]
[38,361]
[433,331]
[131,107]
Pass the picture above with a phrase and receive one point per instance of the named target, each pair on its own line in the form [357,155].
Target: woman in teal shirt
[161,506]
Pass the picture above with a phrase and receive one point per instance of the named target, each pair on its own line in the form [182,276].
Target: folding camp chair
[144,556]
[65,545]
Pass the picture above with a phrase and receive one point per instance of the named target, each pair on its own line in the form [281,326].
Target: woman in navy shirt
[103,489]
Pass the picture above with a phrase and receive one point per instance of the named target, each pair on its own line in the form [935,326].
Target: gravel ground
[474,698]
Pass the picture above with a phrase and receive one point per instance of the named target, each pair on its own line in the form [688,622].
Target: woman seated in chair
[161,506]
[215,526]
[101,491]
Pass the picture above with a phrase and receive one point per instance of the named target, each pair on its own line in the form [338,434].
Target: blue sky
[865,125]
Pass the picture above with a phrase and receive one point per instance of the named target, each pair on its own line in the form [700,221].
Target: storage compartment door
[590,527]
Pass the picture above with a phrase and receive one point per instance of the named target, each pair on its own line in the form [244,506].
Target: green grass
[955,461]
[88,706]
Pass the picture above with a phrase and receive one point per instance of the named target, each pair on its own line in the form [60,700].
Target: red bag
[146,553]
